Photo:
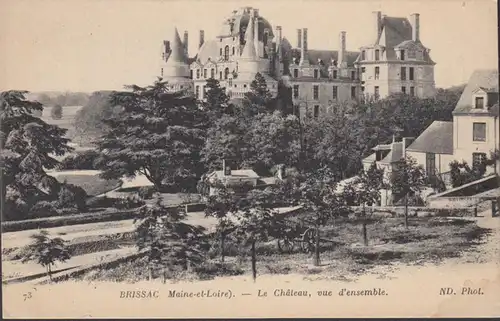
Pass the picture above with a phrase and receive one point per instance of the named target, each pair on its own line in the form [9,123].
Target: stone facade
[247,44]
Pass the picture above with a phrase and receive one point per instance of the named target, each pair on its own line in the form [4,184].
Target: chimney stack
[377,17]
[202,38]
[166,49]
[415,26]
[303,49]
[279,37]
[299,38]
[186,43]
[342,50]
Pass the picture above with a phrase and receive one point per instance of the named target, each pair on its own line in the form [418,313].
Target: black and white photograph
[232,159]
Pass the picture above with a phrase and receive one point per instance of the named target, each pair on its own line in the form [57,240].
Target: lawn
[428,240]
[92,184]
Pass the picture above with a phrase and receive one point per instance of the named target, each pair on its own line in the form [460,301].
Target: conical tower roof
[177,55]
[176,65]
[249,51]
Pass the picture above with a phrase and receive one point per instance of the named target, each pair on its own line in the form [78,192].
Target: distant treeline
[61,98]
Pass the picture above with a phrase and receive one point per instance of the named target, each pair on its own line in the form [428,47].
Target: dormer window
[296,73]
[479,102]
[363,55]
[402,54]
[316,73]
[377,54]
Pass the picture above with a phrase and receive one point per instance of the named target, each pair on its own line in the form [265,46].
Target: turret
[176,65]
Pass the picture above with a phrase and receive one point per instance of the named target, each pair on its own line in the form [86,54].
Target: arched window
[226,73]
[226,53]
[233,51]
[212,73]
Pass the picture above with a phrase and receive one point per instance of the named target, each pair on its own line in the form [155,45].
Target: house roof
[236,173]
[437,138]
[488,81]
[326,56]
[395,153]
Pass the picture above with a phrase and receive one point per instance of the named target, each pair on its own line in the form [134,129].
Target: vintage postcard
[235,159]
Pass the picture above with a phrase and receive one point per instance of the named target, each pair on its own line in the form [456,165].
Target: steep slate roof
[326,56]
[479,78]
[437,138]
[240,19]
[209,49]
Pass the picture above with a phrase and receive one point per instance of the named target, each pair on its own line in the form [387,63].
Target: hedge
[56,221]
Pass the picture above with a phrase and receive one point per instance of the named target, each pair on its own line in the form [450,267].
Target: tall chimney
[278,42]
[342,55]
[166,49]
[186,47]
[377,18]
[415,26]
[202,38]
[299,38]
[303,49]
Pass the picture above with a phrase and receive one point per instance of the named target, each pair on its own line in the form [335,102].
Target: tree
[46,251]
[27,144]
[56,112]
[159,135]
[258,99]
[219,206]
[407,180]
[319,199]
[167,240]
[367,191]
[254,221]
[216,101]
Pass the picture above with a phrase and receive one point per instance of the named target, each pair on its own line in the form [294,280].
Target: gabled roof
[487,79]
[235,174]
[437,138]
[395,153]
[395,30]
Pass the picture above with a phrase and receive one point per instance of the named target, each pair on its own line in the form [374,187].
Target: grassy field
[92,184]
[428,240]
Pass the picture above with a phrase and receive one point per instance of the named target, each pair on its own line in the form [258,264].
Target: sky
[87,45]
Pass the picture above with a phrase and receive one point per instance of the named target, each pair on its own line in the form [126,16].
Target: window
[316,111]
[412,73]
[362,89]
[363,69]
[315,92]
[220,75]
[233,51]
[353,75]
[212,73]
[479,132]
[335,92]
[204,73]
[226,73]
[478,159]
[377,54]
[316,73]
[377,72]
[296,73]
[191,74]
[353,92]
[204,91]
[295,91]
[334,74]
[402,55]
[403,90]
[221,50]
[197,92]
[403,73]
[363,55]
[430,164]
[197,73]
[376,92]
[226,53]
[412,91]
[479,102]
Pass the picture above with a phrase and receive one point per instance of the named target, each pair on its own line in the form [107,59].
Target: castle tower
[176,70]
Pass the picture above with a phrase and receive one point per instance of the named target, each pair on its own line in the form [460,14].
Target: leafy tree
[407,180]
[216,101]
[158,135]
[258,99]
[219,206]
[254,221]
[27,144]
[167,240]
[56,112]
[46,251]
[319,198]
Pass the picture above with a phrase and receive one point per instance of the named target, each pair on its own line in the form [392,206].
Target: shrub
[14,208]
[56,112]
[83,160]
[146,192]
[42,209]
[72,196]
[129,203]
